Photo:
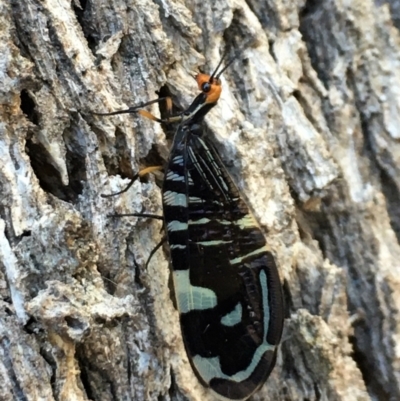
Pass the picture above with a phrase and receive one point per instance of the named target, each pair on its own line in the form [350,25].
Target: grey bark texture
[309,127]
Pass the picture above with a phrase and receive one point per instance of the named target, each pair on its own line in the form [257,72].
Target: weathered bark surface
[308,125]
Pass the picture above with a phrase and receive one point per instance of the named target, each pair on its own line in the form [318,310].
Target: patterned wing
[226,283]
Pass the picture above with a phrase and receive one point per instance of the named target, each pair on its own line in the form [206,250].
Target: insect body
[226,282]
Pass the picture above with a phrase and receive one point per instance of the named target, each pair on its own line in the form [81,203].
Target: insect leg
[152,216]
[140,174]
[144,215]
[139,109]
[156,248]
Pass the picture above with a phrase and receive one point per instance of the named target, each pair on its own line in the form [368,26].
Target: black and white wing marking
[226,283]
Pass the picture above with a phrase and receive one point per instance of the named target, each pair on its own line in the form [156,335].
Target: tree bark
[308,125]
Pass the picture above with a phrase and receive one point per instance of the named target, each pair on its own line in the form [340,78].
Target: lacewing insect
[227,286]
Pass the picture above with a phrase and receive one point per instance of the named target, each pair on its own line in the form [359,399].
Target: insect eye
[206,87]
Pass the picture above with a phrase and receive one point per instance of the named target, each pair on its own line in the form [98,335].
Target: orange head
[210,86]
